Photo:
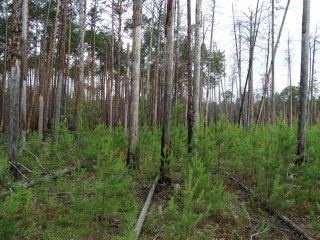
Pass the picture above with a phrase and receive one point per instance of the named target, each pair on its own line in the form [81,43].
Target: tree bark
[273,106]
[116,111]
[132,157]
[4,74]
[61,66]
[45,92]
[126,87]
[169,42]
[190,90]
[24,69]
[304,71]
[197,68]
[82,23]
[15,88]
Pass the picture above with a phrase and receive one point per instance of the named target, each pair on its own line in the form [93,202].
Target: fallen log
[53,175]
[265,206]
[144,211]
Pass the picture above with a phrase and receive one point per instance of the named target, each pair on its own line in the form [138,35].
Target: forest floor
[243,219]
[101,199]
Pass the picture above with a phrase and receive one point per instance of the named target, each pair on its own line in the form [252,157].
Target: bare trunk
[24,68]
[4,74]
[303,82]
[209,68]
[126,100]
[117,119]
[111,70]
[82,20]
[45,92]
[61,66]
[273,106]
[290,84]
[132,157]
[197,50]
[312,99]
[265,88]
[190,90]
[15,89]
[169,42]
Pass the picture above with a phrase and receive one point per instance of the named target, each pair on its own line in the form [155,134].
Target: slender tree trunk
[82,23]
[111,70]
[169,42]
[190,90]
[266,84]
[312,118]
[253,37]
[126,87]
[197,50]
[132,157]
[116,111]
[156,71]
[67,73]
[209,68]
[24,69]
[61,66]
[42,75]
[4,74]
[93,56]
[303,82]
[273,106]
[15,88]
[46,89]
[290,84]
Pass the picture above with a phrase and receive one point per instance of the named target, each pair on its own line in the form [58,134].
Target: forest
[126,119]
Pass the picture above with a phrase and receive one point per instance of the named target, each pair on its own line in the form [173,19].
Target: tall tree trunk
[266,84]
[250,72]
[190,91]
[209,67]
[253,37]
[15,88]
[150,52]
[148,83]
[290,84]
[61,66]
[273,106]
[116,111]
[132,157]
[82,23]
[111,70]
[197,68]
[24,70]
[178,79]
[156,71]
[312,100]
[93,56]
[238,49]
[46,87]
[165,145]
[67,72]
[303,94]
[126,87]
[4,74]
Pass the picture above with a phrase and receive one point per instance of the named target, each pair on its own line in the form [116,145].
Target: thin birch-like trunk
[132,157]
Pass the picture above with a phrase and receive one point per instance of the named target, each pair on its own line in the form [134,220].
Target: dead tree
[304,71]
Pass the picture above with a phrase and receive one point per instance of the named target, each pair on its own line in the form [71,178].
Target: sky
[223,35]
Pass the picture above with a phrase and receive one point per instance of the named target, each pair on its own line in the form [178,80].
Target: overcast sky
[223,35]
[225,38]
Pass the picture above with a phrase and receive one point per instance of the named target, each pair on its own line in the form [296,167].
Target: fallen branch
[30,184]
[143,214]
[272,211]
